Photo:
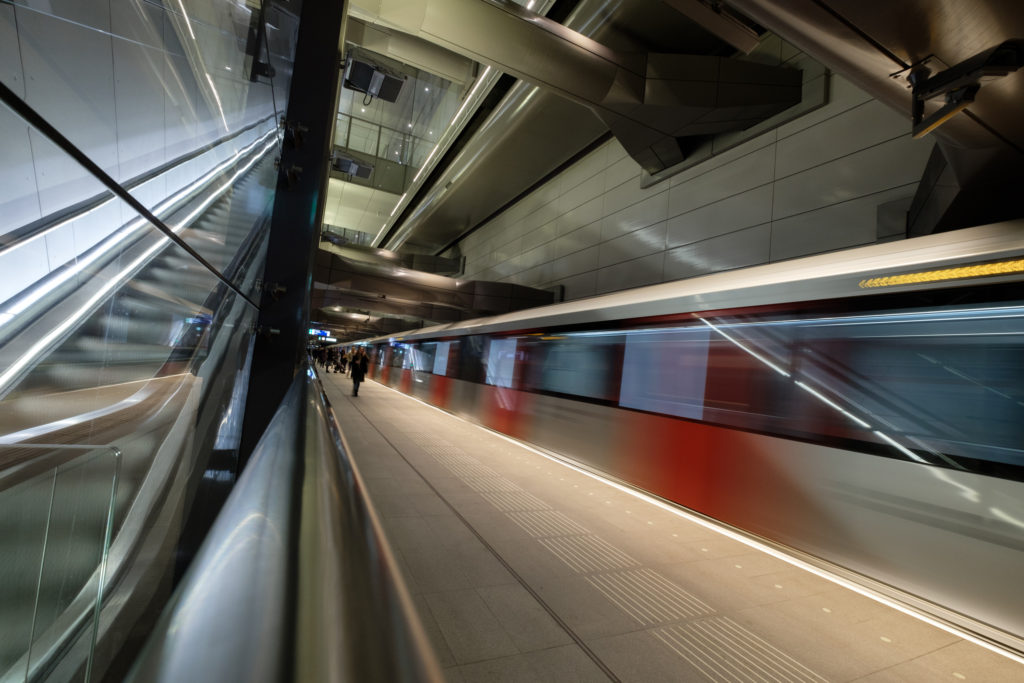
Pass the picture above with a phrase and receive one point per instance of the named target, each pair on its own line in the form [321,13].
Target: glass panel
[175,101]
[363,136]
[138,344]
[501,358]
[57,502]
[665,372]
[394,146]
[341,130]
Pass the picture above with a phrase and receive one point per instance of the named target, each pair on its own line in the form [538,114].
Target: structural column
[298,210]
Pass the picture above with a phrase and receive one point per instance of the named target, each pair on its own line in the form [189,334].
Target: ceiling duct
[649,101]
[384,286]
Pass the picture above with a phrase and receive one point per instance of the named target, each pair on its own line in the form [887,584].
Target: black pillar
[281,337]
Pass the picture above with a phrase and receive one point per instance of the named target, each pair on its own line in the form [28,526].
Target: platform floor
[523,569]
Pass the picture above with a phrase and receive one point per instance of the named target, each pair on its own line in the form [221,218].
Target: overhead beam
[649,101]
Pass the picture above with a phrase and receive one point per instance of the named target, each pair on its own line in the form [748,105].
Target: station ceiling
[471,132]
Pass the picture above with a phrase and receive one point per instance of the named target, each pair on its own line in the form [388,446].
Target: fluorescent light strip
[45,342]
[764,360]
[426,162]
[833,405]
[750,542]
[901,448]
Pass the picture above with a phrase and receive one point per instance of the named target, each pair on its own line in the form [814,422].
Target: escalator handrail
[15,238]
[294,580]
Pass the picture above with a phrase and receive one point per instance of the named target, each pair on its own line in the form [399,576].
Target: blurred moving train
[864,407]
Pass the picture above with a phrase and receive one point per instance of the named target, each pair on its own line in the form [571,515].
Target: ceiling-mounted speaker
[351,167]
[371,79]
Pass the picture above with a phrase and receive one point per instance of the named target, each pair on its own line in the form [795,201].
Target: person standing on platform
[358,366]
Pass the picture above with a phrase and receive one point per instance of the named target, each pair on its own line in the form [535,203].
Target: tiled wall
[809,186]
[132,84]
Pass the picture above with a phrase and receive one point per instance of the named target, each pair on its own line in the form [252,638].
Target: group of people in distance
[353,362]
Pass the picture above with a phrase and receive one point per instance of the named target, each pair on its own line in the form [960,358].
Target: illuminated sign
[319,333]
[980,270]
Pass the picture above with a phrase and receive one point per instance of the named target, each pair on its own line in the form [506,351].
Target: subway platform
[523,568]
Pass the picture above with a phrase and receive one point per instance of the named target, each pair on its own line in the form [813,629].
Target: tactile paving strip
[542,523]
[649,597]
[725,651]
[585,554]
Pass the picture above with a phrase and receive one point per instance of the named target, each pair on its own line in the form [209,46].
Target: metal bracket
[959,84]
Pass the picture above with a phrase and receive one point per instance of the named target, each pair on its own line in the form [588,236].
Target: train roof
[851,272]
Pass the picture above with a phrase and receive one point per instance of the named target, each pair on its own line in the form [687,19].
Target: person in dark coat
[358,366]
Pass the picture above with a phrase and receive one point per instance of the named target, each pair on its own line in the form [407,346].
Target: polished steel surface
[294,581]
[230,618]
[355,619]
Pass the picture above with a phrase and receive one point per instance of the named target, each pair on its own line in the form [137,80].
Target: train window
[577,364]
[421,356]
[397,355]
[666,371]
[501,362]
[939,382]
[470,358]
[440,366]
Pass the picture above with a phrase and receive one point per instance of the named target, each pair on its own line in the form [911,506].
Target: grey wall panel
[583,171]
[891,164]
[863,126]
[580,286]
[31,262]
[623,195]
[837,226]
[735,250]
[811,185]
[541,235]
[575,263]
[588,235]
[728,215]
[745,173]
[842,95]
[621,171]
[19,198]
[543,214]
[580,194]
[87,13]
[585,214]
[647,270]
[139,99]
[633,245]
[650,210]
[63,83]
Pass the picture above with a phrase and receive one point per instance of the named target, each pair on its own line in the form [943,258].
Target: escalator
[103,433]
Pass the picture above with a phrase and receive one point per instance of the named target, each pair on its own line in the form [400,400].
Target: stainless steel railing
[295,580]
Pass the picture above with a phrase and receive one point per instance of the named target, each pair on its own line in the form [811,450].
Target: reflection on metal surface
[252,608]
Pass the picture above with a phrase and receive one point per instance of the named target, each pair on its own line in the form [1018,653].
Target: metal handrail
[295,580]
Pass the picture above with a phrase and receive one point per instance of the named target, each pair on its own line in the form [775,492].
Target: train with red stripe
[863,408]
